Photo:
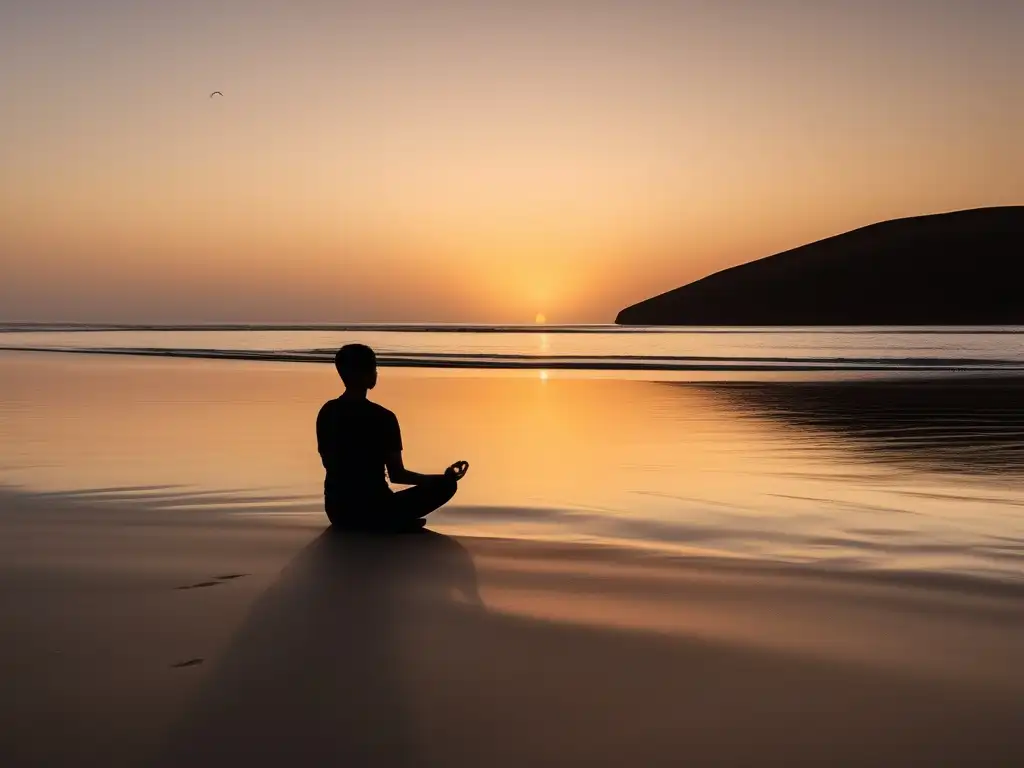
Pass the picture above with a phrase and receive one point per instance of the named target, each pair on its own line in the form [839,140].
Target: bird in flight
[216,93]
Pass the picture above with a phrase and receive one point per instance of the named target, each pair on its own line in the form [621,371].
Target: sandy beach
[777,574]
[135,636]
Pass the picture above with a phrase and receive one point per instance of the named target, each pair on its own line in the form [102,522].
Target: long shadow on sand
[318,672]
[376,652]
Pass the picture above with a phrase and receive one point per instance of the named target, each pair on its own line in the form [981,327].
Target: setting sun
[540,319]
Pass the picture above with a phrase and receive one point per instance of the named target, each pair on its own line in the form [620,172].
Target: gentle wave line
[561,362]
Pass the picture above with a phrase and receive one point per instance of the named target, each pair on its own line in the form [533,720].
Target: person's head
[357,366]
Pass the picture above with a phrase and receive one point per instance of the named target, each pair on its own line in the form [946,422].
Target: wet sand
[138,636]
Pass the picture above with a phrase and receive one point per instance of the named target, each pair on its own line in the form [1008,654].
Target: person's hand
[457,470]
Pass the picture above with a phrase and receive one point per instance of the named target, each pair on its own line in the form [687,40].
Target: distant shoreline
[22,327]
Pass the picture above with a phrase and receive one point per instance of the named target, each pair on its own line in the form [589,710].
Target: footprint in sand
[217,580]
[189,663]
[200,584]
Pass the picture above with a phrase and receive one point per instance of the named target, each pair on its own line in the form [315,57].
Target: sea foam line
[561,362]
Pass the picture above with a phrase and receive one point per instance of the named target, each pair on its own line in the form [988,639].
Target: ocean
[889,451]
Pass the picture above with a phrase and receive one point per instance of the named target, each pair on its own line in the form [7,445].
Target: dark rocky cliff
[962,268]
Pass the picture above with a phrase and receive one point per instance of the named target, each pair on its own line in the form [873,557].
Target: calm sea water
[589,348]
[886,450]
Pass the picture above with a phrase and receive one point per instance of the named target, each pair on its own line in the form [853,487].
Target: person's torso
[354,437]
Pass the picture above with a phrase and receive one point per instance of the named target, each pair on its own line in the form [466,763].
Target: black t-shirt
[354,436]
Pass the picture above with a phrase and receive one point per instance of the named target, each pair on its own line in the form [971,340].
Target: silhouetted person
[358,440]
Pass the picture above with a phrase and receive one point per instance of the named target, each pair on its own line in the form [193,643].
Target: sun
[540,319]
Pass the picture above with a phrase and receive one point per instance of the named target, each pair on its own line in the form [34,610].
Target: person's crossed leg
[420,500]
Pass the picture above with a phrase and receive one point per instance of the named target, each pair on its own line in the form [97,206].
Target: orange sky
[447,161]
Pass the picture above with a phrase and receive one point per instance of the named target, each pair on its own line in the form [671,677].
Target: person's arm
[322,439]
[397,472]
